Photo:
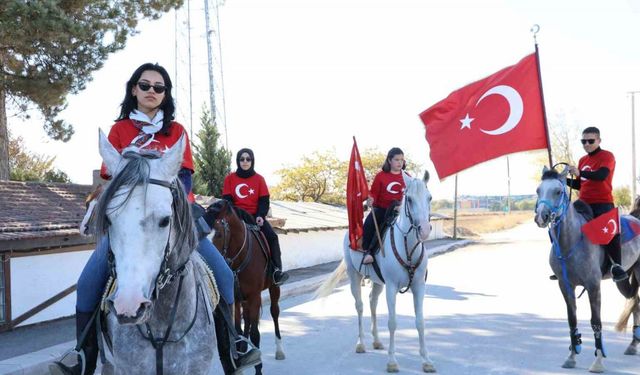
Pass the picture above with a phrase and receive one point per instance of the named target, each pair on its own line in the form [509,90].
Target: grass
[472,224]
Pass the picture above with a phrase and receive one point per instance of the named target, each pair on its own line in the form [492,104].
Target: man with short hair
[593,179]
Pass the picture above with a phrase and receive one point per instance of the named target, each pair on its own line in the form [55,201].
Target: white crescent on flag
[516,108]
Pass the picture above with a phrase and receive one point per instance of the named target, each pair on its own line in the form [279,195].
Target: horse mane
[550,174]
[213,211]
[136,172]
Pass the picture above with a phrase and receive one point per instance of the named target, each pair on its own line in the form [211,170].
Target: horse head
[146,215]
[552,197]
[416,205]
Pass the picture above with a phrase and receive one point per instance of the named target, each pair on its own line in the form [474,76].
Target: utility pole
[212,98]
[633,146]
[455,210]
[190,81]
[508,187]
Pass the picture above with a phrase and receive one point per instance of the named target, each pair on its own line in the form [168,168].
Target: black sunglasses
[159,89]
[245,159]
[589,141]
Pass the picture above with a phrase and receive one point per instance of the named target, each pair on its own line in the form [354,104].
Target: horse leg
[418,290]
[596,325]
[356,291]
[253,317]
[633,347]
[392,364]
[274,295]
[574,334]
[373,304]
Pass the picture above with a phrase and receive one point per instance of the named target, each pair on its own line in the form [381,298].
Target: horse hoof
[569,363]
[428,367]
[596,368]
[378,345]
[392,367]
[631,350]
[280,355]
[360,348]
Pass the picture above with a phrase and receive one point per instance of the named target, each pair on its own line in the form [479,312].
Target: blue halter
[558,213]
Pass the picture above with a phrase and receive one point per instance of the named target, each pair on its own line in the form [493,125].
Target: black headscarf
[249,172]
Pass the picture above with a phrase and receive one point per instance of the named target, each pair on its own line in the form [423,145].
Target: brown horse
[245,249]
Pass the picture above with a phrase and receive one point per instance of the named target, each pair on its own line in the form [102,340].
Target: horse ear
[111,157]
[545,169]
[173,157]
[425,178]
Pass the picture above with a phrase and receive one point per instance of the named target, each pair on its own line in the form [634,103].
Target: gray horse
[160,309]
[577,262]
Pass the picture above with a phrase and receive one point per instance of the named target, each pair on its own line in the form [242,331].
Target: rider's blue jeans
[96,272]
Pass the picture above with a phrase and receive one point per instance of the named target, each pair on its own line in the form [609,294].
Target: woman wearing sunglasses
[146,121]
[594,175]
[248,190]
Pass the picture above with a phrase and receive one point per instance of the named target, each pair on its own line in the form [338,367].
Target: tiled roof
[34,210]
[304,216]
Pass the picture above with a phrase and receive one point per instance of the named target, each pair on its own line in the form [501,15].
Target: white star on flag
[466,122]
[605,230]
[251,191]
[357,166]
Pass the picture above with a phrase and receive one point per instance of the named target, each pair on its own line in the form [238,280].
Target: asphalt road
[490,309]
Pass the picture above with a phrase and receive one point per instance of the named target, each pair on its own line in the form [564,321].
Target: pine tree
[48,49]
[212,163]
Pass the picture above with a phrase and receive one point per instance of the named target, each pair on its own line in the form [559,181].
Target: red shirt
[123,132]
[592,191]
[387,187]
[245,191]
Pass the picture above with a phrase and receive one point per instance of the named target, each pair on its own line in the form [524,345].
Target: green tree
[313,180]
[322,177]
[212,162]
[622,196]
[48,49]
[27,166]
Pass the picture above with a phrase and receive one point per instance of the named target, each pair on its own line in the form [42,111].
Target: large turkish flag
[357,192]
[498,115]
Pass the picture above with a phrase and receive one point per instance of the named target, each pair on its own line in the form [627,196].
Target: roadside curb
[37,363]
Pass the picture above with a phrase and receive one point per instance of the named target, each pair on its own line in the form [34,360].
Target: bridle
[409,266]
[164,277]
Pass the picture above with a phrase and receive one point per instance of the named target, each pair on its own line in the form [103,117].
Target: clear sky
[306,75]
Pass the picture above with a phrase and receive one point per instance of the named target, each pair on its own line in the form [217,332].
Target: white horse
[403,264]
[160,311]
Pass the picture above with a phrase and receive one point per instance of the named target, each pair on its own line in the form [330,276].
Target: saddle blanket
[629,228]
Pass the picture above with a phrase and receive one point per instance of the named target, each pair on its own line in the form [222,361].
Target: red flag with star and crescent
[498,115]
[357,192]
[602,229]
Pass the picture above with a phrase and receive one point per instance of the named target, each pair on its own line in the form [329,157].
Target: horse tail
[630,306]
[327,287]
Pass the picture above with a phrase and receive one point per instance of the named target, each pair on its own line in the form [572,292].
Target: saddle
[389,218]
[583,209]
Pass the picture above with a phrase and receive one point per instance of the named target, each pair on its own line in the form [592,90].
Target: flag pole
[534,29]
[455,209]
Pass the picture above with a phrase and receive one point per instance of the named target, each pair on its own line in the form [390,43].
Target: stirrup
[251,357]
[623,276]
[283,277]
[59,368]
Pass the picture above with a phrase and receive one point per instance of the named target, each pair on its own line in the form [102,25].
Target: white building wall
[37,278]
[306,249]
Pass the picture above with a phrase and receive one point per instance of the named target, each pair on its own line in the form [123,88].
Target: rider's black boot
[613,249]
[233,361]
[279,277]
[89,349]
